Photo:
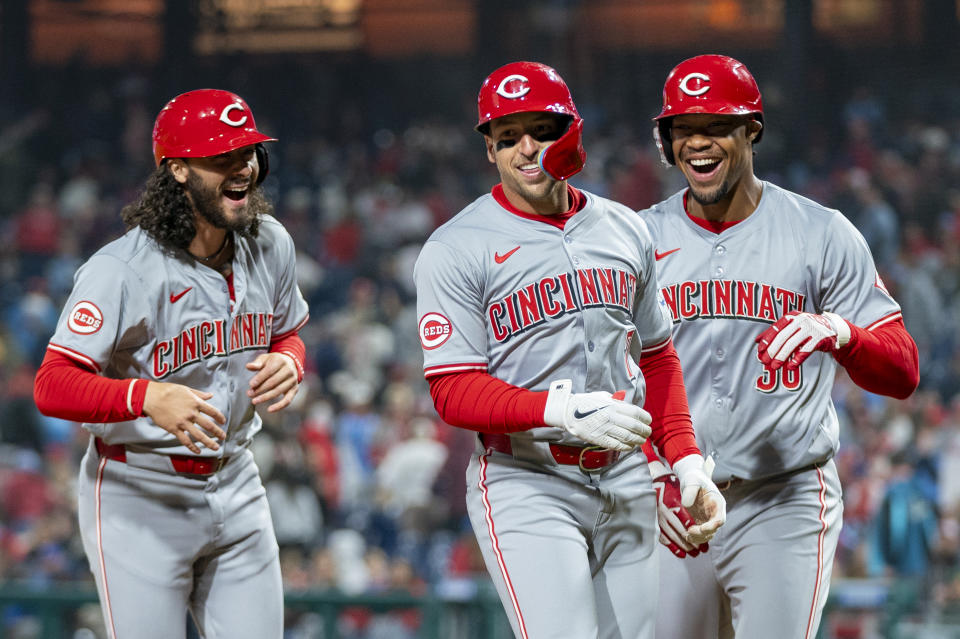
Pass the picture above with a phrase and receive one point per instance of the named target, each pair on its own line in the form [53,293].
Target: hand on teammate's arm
[701,497]
[184,413]
[277,378]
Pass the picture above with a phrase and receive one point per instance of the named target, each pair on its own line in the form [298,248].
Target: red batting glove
[673,518]
[793,337]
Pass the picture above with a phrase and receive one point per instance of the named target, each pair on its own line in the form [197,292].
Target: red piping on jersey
[75,355]
[823,530]
[444,369]
[495,543]
[103,568]
[577,201]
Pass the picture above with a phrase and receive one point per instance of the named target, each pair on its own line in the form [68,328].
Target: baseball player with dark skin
[536,303]
[171,338]
[769,293]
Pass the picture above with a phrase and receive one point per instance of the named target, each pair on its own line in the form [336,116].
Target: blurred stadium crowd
[365,483]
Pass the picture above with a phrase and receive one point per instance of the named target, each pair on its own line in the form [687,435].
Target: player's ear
[753,129]
[491,149]
[178,169]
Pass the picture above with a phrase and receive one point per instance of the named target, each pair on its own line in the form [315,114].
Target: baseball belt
[182,464]
[587,458]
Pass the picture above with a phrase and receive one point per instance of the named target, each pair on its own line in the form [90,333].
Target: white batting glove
[701,497]
[795,335]
[673,518]
[597,418]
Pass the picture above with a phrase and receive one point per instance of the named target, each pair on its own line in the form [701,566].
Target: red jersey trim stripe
[885,320]
[445,369]
[655,347]
[820,559]
[495,543]
[74,355]
[275,338]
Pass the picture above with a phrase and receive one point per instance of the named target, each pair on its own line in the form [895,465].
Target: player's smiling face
[514,144]
[714,152]
[221,187]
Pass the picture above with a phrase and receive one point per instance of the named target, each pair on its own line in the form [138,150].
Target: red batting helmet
[207,122]
[707,84]
[521,87]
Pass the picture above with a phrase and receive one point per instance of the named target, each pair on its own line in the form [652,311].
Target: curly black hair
[165,212]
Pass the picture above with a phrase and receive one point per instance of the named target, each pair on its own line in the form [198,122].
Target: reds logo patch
[435,329]
[85,318]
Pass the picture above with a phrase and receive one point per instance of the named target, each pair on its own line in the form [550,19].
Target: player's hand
[673,518]
[276,378]
[598,418]
[701,497]
[184,413]
[795,335]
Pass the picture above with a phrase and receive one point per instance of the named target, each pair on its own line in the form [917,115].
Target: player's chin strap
[566,156]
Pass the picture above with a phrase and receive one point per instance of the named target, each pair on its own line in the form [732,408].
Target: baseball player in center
[536,302]
[769,292]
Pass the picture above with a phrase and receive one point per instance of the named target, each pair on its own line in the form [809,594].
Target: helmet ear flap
[263,160]
[661,135]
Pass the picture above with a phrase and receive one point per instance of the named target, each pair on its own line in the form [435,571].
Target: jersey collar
[577,201]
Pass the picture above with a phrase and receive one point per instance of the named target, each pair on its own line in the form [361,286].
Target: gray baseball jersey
[158,541]
[137,312]
[528,303]
[723,289]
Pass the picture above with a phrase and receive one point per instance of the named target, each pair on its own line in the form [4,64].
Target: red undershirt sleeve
[65,389]
[884,360]
[481,402]
[291,344]
[667,404]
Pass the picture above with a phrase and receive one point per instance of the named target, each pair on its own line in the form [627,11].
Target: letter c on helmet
[695,76]
[225,115]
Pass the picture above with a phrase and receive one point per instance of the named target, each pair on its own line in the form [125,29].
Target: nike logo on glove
[578,415]
[174,298]
[657,255]
[500,259]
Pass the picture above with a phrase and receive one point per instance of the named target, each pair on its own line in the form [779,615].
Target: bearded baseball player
[769,292]
[172,336]
[535,303]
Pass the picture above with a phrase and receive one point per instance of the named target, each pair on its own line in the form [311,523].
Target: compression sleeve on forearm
[63,388]
[667,404]
[883,359]
[478,401]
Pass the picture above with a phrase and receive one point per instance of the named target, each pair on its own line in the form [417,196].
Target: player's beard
[206,201]
[713,196]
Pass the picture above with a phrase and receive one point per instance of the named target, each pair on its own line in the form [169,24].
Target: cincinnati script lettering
[707,299]
[212,338]
[550,297]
